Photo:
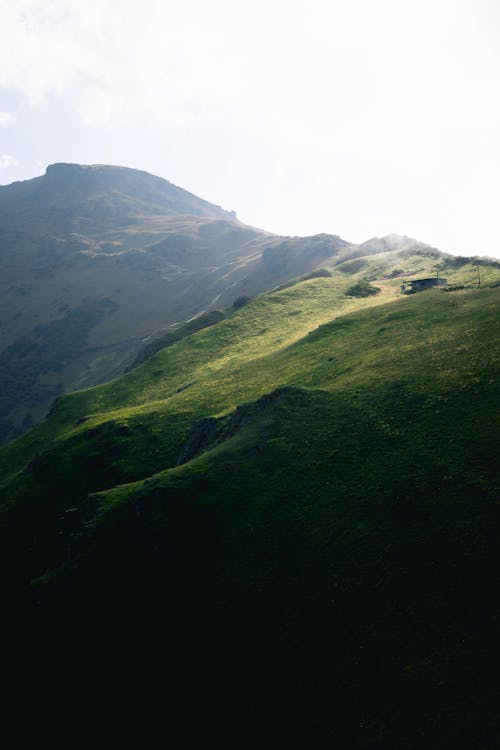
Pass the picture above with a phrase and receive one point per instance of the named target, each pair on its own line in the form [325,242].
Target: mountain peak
[69,169]
[92,190]
[392,241]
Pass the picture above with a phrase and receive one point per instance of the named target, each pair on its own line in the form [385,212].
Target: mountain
[95,260]
[96,198]
[291,515]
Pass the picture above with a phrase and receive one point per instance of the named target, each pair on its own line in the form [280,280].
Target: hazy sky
[355,117]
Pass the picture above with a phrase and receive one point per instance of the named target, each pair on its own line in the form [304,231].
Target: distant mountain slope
[96,259]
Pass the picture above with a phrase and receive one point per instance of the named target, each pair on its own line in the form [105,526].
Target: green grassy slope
[214,357]
[333,519]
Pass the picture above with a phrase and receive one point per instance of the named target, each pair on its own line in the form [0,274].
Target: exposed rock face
[202,433]
[210,432]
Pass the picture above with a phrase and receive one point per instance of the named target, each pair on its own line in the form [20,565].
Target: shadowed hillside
[291,512]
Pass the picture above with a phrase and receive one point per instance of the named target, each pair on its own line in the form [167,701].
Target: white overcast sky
[354,117]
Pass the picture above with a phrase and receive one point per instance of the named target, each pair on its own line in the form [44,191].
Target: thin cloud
[346,116]
[6,118]
[7,161]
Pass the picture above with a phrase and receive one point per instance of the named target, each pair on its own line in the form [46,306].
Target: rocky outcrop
[210,432]
[202,434]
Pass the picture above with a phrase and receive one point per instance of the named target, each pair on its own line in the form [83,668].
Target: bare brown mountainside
[96,259]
